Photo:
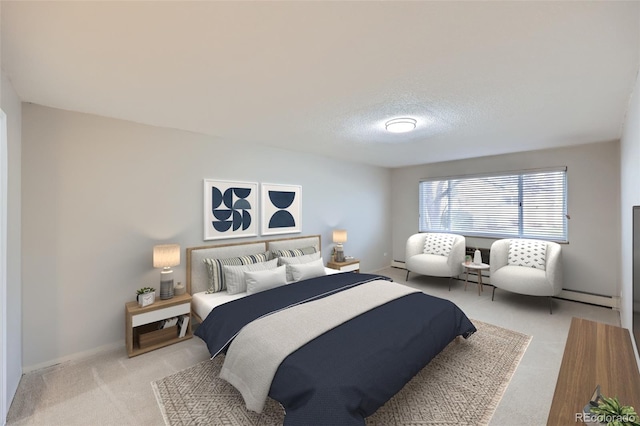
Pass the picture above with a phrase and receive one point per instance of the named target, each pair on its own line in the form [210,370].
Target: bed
[197,274]
[331,349]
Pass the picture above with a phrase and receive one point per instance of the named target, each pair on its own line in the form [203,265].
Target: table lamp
[165,256]
[339,237]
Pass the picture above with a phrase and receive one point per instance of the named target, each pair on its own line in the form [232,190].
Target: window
[529,204]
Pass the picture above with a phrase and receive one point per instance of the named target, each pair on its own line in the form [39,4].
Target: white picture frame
[281,209]
[230,209]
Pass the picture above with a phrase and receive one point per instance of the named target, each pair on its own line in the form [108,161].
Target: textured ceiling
[481,78]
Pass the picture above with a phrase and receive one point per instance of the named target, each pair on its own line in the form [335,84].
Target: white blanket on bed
[258,350]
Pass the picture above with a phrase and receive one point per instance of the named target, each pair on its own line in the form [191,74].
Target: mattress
[202,303]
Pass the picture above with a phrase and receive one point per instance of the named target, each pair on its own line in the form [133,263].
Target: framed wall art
[230,209]
[281,209]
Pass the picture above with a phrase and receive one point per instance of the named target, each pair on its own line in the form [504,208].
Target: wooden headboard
[197,278]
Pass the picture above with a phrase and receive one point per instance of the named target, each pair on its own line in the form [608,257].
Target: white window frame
[519,219]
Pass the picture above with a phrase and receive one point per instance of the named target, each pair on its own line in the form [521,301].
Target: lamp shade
[339,236]
[166,255]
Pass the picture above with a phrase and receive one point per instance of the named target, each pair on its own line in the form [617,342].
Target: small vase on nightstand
[477,257]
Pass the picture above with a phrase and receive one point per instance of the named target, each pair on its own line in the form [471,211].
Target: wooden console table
[595,354]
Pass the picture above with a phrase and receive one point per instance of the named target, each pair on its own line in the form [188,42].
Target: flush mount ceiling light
[400,125]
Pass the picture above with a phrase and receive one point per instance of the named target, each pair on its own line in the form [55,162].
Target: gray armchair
[532,267]
[435,254]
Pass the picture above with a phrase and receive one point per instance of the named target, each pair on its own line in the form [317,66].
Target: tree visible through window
[531,204]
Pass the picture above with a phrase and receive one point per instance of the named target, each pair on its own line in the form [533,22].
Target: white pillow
[529,253]
[438,244]
[306,270]
[264,280]
[234,274]
[297,260]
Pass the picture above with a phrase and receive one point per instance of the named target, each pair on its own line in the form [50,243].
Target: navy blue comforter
[348,373]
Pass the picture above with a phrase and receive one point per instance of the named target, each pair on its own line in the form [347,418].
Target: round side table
[478,268]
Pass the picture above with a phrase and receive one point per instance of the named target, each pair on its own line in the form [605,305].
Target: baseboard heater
[574,296]
[592,299]
[397,264]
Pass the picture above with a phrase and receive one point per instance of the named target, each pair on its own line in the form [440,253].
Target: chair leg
[493,293]
[407,278]
[450,279]
[550,305]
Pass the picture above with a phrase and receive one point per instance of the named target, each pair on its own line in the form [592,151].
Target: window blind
[529,204]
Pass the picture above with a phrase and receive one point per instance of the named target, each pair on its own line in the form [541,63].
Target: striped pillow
[293,252]
[216,272]
[234,274]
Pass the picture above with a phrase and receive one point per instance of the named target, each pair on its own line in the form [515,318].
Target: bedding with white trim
[347,373]
[252,359]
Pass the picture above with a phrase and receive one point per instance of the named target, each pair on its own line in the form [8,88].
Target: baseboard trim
[72,357]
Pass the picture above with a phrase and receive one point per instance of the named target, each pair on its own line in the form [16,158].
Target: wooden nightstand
[142,333]
[351,265]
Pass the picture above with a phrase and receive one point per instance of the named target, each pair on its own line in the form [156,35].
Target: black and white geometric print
[530,253]
[438,244]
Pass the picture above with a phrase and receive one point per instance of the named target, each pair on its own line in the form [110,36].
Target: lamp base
[166,284]
[339,253]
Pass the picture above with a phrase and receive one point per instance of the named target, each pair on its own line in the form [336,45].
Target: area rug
[461,386]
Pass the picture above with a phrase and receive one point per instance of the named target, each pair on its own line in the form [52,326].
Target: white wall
[11,105]
[630,196]
[593,203]
[99,193]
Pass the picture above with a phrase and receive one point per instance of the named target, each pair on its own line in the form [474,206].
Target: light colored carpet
[110,389]
[462,385]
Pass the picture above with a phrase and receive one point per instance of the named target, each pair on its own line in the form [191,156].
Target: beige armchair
[532,267]
[435,254]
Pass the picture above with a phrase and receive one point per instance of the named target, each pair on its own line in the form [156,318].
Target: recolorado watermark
[606,418]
